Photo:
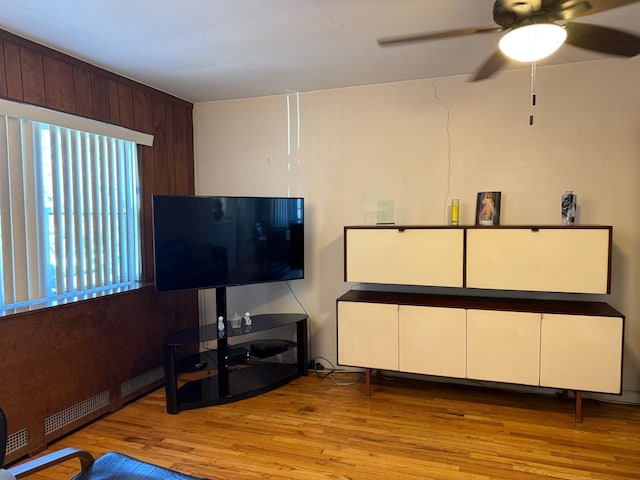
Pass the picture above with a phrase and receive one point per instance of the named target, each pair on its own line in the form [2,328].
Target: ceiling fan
[533,24]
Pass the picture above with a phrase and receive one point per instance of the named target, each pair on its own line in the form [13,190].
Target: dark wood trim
[83,86]
[404,227]
[610,260]
[480,227]
[13,69]
[59,85]
[464,258]
[564,307]
[50,52]
[57,357]
[3,73]
[344,253]
[32,76]
[100,98]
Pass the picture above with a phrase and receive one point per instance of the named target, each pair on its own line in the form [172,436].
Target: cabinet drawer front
[433,340]
[368,335]
[404,256]
[581,353]
[553,260]
[503,346]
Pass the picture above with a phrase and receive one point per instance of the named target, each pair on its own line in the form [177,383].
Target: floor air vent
[17,440]
[72,414]
[141,381]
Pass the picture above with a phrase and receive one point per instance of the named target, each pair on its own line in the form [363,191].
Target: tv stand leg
[171,379]
[303,347]
[223,345]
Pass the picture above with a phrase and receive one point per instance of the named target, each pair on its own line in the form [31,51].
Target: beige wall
[421,143]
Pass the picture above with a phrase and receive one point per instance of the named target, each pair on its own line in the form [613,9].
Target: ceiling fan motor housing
[503,16]
[510,14]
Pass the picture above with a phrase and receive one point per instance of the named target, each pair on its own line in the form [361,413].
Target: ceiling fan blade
[569,9]
[602,5]
[494,63]
[602,39]
[425,37]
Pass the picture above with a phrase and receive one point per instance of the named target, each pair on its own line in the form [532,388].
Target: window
[69,213]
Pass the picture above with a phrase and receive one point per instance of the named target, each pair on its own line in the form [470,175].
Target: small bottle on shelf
[455,211]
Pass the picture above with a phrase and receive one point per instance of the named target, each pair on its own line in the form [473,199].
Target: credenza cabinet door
[581,352]
[503,346]
[539,259]
[405,256]
[368,335]
[433,340]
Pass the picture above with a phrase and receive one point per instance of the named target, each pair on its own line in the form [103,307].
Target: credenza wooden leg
[578,403]
[578,414]
[367,381]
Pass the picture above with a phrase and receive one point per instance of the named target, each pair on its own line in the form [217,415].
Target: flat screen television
[212,241]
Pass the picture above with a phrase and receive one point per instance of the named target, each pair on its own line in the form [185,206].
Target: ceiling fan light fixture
[532,42]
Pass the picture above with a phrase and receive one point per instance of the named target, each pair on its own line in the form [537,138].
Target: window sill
[6,312]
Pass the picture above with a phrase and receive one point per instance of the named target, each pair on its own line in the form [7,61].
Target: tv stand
[232,371]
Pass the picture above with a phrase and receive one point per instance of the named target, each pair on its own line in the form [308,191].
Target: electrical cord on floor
[332,373]
[324,372]
[306,313]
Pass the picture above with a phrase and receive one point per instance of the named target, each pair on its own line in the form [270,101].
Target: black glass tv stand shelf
[232,371]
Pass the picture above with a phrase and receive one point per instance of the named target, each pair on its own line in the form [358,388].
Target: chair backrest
[3,437]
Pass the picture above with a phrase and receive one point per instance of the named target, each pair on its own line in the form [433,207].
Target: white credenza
[568,345]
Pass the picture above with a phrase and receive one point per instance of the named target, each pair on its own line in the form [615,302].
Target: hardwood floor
[316,429]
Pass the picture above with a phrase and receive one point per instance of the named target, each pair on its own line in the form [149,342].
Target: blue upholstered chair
[110,466]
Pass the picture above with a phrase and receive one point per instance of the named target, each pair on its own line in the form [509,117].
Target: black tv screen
[208,242]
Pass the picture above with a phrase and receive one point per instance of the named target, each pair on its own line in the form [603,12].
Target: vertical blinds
[69,213]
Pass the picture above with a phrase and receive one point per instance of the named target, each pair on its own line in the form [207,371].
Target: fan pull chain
[533,91]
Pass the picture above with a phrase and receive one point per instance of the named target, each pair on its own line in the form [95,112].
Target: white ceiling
[204,50]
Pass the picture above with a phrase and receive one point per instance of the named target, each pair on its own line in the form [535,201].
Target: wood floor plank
[315,429]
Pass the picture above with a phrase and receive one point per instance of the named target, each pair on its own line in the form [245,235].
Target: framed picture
[488,208]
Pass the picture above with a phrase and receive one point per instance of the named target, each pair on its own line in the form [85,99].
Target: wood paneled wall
[55,358]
